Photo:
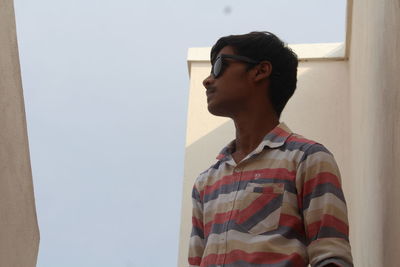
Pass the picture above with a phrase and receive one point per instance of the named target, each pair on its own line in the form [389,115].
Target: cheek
[231,89]
[226,98]
[235,91]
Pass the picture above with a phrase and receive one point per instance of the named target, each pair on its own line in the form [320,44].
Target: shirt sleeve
[323,208]
[196,243]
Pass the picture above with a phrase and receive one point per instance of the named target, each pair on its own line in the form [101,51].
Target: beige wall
[19,234]
[375,138]
[319,110]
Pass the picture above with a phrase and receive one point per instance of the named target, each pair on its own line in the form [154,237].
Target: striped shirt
[282,205]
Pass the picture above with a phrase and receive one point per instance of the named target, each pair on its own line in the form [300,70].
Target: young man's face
[229,92]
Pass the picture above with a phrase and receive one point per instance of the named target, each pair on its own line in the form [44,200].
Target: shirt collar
[274,139]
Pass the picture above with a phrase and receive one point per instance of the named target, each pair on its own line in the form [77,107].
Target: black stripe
[197,232]
[196,194]
[224,189]
[229,188]
[327,231]
[336,260]
[315,148]
[216,165]
[285,231]
[274,138]
[273,205]
[320,190]
[294,145]
[289,185]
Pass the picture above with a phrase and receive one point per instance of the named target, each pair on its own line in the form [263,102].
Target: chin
[217,111]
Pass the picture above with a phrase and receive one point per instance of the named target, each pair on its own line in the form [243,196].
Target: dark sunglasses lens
[217,67]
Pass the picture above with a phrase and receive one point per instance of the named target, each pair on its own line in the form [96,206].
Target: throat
[238,156]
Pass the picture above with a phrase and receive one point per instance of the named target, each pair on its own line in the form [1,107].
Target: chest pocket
[259,207]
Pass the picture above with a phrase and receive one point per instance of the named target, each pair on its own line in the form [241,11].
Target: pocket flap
[272,188]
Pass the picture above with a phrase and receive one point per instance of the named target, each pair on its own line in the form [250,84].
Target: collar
[274,139]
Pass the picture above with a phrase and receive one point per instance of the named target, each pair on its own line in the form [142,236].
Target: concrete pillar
[375,138]
[19,233]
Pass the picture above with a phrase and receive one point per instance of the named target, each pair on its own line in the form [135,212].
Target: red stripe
[320,178]
[280,132]
[207,229]
[246,213]
[220,156]
[276,173]
[292,221]
[254,258]
[300,140]
[220,218]
[313,229]
[212,259]
[329,221]
[300,201]
[194,260]
[332,221]
[258,204]
[197,223]
[228,179]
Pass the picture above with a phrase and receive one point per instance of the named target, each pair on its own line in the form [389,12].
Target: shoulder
[204,177]
[300,148]
[313,159]
[298,142]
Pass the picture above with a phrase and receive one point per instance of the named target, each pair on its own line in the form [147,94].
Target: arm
[324,209]
[196,243]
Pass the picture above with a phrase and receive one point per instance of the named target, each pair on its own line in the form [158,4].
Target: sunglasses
[219,64]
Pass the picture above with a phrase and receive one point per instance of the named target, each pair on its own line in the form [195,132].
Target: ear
[263,71]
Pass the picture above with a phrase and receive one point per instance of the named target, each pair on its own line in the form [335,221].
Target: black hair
[261,46]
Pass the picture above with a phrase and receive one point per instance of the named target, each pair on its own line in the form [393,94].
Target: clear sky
[106,89]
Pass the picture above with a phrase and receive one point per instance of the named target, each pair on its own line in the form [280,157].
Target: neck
[251,127]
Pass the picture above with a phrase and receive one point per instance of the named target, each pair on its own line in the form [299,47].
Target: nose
[208,81]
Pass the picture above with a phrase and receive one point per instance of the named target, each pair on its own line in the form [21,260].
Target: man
[273,198]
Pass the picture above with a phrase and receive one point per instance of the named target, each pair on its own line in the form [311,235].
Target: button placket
[237,173]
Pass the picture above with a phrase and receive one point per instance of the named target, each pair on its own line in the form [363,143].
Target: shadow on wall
[205,150]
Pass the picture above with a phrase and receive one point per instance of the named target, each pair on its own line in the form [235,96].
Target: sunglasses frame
[218,72]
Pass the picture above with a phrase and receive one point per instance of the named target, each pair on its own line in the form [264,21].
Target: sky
[106,90]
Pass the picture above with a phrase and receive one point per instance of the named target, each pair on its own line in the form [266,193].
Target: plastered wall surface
[19,233]
[375,139]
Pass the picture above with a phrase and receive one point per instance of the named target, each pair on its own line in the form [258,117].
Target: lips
[209,94]
[210,91]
